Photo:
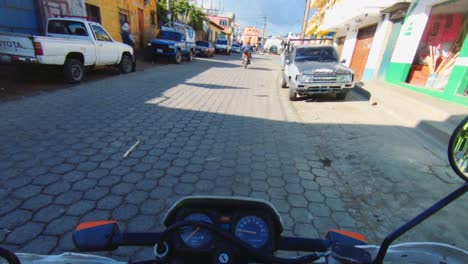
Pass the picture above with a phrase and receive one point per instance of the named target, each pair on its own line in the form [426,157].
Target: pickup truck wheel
[292,93]
[190,57]
[73,70]
[178,57]
[126,64]
[341,96]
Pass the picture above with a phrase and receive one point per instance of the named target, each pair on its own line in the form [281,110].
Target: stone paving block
[136,197]
[15,219]
[81,207]
[24,233]
[109,202]
[125,212]
[61,225]
[37,202]
[40,245]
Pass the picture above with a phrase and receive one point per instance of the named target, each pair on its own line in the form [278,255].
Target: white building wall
[348,46]
[412,31]
[379,44]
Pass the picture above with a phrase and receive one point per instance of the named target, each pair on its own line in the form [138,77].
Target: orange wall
[250,35]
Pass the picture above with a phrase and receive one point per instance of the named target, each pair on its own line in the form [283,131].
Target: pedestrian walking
[127,36]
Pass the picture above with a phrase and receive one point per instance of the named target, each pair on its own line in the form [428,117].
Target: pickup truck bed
[70,43]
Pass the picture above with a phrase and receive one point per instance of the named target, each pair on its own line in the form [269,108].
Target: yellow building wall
[110,9]
[213,31]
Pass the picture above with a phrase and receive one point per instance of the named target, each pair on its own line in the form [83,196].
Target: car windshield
[222,42]
[320,54]
[202,43]
[169,35]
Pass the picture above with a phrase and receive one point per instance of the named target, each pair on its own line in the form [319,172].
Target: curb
[430,131]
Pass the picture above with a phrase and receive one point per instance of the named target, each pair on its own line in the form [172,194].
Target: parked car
[312,70]
[222,46]
[204,48]
[236,48]
[273,50]
[71,43]
[174,40]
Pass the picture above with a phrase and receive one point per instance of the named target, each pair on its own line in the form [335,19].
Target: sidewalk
[433,117]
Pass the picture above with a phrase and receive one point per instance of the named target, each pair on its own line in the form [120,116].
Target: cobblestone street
[212,127]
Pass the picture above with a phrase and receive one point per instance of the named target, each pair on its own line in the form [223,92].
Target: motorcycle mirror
[458,150]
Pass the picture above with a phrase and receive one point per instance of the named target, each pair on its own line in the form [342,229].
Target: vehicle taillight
[38,48]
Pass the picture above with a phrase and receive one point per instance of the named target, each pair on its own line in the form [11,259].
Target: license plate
[5,59]
[159,50]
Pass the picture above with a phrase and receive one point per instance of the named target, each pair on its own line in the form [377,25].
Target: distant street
[212,127]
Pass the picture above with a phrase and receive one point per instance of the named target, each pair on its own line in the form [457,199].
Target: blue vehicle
[174,41]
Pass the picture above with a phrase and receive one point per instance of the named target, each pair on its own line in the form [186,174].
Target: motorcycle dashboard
[253,221]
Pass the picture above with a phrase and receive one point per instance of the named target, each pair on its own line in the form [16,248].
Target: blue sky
[283,16]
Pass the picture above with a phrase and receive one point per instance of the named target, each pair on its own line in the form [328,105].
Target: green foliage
[183,12]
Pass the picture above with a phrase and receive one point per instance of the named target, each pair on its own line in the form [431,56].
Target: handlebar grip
[303,244]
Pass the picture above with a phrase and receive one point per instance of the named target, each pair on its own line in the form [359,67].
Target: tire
[292,93]
[341,96]
[283,82]
[126,64]
[178,57]
[73,71]
[190,57]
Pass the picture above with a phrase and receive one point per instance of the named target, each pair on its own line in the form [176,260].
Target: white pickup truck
[70,43]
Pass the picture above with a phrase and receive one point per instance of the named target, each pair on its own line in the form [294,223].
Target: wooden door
[141,28]
[361,51]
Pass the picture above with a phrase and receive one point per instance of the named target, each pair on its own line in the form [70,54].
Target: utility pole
[264,30]
[305,19]
[169,15]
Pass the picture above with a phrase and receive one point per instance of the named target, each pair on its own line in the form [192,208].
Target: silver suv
[312,70]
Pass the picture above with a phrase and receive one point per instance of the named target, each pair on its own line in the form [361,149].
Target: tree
[182,11]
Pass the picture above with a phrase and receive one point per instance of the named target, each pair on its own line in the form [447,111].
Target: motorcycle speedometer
[195,236]
[252,230]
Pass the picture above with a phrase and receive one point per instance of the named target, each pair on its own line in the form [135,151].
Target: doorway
[361,50]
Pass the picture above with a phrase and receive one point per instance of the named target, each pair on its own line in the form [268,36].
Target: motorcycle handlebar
[108,237]
[303,244]
[284,242]
[137,239]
